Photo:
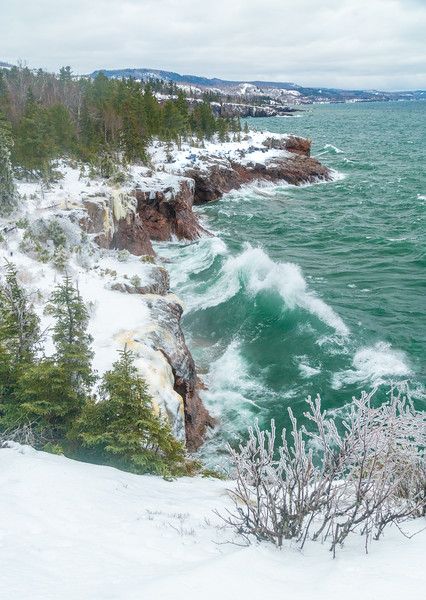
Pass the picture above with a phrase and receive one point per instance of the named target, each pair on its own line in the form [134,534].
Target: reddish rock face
[197,419]
[220,179]
[293,144]
[298,145]
[169,212]
[130,234]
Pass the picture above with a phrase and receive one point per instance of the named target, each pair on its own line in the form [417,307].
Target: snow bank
[71,530]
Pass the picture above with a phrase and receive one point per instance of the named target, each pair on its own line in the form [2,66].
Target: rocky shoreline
[160,208]
[130,292]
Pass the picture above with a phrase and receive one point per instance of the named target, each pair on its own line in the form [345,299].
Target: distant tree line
[54,115]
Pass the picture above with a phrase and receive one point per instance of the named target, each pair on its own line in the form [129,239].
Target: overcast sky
[343,43]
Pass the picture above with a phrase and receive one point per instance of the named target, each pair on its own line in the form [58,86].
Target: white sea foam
[289,116]
[230,387]
[192,258]
[374,364]
[254,271]
[305,369]
[336,176]
[334,149]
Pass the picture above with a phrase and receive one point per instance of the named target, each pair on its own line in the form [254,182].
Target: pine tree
[122,428]
[19,324]
[19,343]
[152,114]
[62,129]
[35,147]
[70,335]
[8,193]
[45,397]
[134,130]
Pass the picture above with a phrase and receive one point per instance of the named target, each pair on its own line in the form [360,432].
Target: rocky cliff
[129,219]
[103,234]
[160,207]
[290,162]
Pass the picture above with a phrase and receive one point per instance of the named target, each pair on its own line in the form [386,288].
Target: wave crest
[253,271]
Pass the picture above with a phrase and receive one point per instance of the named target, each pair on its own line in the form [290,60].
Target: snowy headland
[101,231]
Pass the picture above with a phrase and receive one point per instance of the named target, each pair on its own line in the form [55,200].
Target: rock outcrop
[169,339]
[160,208]
[292,143]
[168,212]
[130,220]
[293,165]
[221,178]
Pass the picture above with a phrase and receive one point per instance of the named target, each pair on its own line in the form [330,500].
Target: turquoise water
[316,289]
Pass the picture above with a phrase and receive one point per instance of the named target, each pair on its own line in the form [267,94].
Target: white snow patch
[72,530]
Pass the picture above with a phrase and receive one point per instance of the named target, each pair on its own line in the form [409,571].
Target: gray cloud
[342,43]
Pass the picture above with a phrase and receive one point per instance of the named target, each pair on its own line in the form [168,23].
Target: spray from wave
[253,272]
[374,365]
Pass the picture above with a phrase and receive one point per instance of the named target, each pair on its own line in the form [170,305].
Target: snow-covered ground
[250,149]
[116,318]
[75,531]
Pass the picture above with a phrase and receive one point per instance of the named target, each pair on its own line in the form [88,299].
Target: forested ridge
[93,119]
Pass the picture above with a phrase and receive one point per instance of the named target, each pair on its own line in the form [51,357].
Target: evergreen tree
[34,148]
[152,112]
[134,131]
[45,397]
[173,122]
[8,193]
[203,121]
[122,428]
[19,325]
[70,336]
[19,342]
[62,129]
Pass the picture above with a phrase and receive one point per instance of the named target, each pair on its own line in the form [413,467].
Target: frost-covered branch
[362,477]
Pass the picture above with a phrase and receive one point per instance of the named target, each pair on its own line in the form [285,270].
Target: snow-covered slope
[74,531]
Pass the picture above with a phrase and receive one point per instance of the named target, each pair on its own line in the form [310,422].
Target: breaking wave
[186,259]
[333,149]
[253,272]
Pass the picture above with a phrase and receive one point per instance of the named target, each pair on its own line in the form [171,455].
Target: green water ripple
[359,244]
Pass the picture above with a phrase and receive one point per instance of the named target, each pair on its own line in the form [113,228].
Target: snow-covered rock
[128,296]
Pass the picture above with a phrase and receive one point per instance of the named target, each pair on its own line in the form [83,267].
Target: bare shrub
[23,434]
[325,482]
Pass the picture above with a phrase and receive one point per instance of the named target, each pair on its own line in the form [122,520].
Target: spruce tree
[35,147]
[8,193]
[123,430]
[73,350]
[19,343]
[50,393]
[45,397]
[19,324]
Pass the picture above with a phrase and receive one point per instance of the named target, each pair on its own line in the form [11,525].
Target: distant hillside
[307,94]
